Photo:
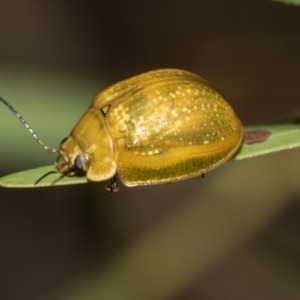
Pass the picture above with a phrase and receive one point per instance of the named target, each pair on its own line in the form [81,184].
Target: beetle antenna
[45,175]
[10,107]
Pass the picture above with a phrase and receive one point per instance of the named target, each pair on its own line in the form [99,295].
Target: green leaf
[27,179]
[269,138]
[258,140]
[293,2]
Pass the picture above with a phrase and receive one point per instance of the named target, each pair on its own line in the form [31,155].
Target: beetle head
[71,159]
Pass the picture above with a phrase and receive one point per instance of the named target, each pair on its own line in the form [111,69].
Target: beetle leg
[202,175]
[111,185]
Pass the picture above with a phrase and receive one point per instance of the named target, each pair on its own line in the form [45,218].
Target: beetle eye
[78,164]
[63,140]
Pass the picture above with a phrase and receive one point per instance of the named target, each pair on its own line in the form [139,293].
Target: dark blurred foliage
[248,49]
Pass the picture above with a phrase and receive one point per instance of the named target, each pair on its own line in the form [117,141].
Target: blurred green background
[233,235]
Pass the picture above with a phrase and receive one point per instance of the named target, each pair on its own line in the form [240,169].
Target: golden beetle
[157,127]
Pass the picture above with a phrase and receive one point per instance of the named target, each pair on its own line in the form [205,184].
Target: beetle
[158,127]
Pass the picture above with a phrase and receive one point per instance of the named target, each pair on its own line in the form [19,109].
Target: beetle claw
[111,185]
